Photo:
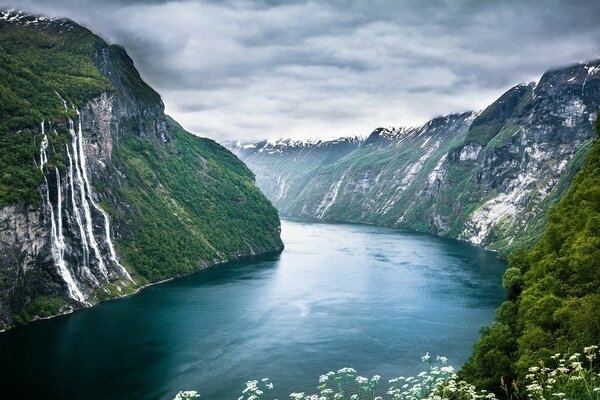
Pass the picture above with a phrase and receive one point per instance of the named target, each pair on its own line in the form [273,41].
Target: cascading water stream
[88,187]
[81,201]
[78,155]
[89,229]
[79,221]
[57,239]
[43,147]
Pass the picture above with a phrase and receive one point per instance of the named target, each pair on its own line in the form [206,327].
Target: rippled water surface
[372,298]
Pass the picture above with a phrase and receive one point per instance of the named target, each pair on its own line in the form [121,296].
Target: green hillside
[553,301]
[200,202]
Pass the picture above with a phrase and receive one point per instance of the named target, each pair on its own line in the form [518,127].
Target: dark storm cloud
[252,69]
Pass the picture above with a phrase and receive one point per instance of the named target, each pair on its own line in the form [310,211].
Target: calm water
[372,298]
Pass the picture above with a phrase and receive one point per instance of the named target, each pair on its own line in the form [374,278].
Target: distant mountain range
[486,177]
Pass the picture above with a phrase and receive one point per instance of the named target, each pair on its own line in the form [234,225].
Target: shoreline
[70,309]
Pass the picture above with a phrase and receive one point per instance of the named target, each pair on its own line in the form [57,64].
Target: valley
[486,177]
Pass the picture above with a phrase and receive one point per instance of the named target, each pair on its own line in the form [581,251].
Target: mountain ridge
[489,181]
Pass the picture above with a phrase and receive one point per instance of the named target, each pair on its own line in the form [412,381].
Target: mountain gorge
[101,193]
[486,177]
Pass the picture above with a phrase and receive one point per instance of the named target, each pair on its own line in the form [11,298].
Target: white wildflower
[188,394]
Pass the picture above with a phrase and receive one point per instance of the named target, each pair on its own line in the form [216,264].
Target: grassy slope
[194,204]
[37,61]
[553,300]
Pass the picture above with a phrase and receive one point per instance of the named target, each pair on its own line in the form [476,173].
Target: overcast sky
[265,69]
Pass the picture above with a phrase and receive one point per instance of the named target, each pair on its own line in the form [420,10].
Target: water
[366,297]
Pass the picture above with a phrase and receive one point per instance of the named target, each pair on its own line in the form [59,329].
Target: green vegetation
[38,61]
[40,307]
[492,123]
[111,290]
[553,291]
[194,203]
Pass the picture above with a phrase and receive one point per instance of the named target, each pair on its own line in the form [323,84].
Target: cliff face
[104,193]
[486,177]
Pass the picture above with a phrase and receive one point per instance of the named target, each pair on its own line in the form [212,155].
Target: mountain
[101,193]
[283,157]
[487,177]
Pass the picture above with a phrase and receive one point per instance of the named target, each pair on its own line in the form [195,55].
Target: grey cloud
[251,69]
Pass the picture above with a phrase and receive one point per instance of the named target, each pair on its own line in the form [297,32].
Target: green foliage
[40,60]
[491,121]
[512,280]
[40,307]
[36,62]
[112,290]
[553,290]
[194,203]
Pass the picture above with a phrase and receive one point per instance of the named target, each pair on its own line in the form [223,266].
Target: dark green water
[370,298]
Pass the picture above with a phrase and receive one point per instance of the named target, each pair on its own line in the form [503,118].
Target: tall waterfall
[80,217]
[56,234]
[77,213]
[79,157]
[88,188]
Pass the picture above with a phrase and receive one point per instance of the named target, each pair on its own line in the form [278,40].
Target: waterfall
[43,147]
[111,247]
[61,99]
[77,181]
[59,244]
[56,235]
[79,221]
[79,156]
[88,188]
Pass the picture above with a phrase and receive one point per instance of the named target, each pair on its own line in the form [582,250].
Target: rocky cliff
[100,192]
[487,177]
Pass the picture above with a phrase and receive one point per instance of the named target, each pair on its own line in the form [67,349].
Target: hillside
[100,192]
[553,303]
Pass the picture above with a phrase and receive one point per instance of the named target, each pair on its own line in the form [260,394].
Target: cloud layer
[245,70]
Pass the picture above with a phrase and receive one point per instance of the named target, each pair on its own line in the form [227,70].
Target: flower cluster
[256,390]
[439,382]
[568,377]
[188,394]
[343,384]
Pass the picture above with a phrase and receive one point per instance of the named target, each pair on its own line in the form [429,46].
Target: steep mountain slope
[553,300]
[487,177]
[284,157]
[100,192]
